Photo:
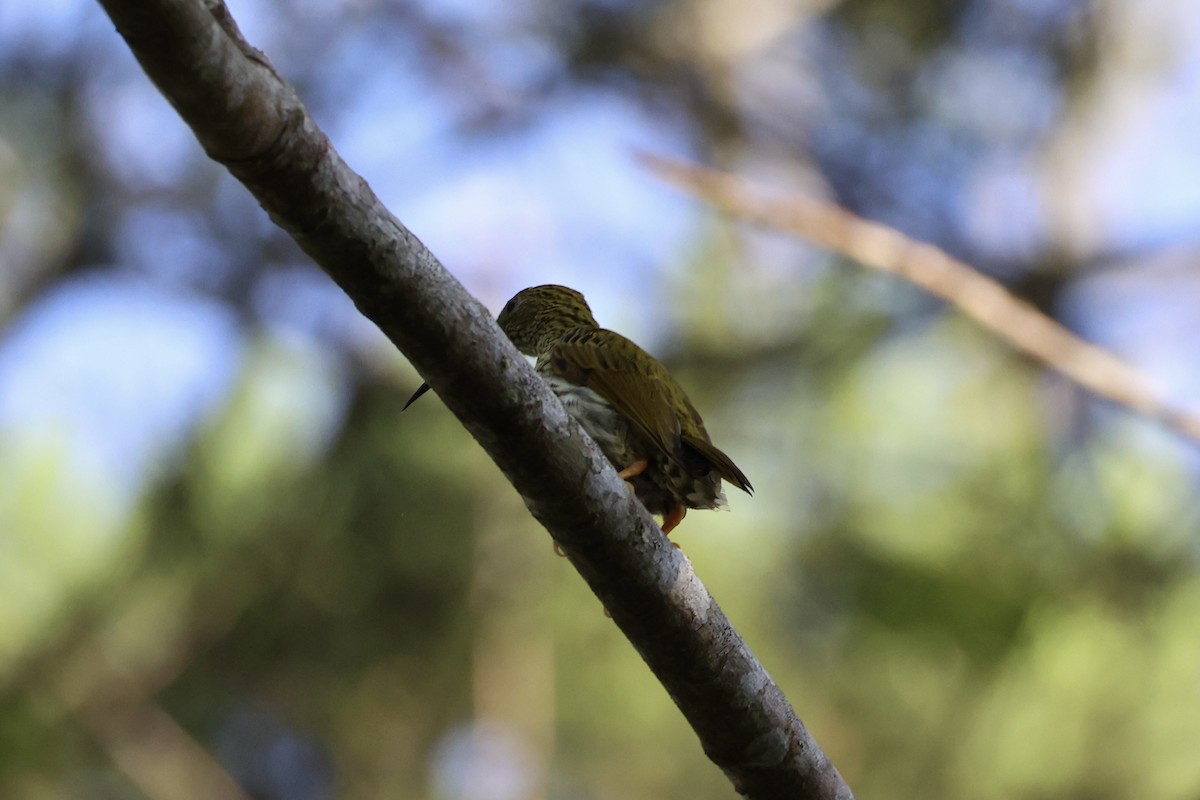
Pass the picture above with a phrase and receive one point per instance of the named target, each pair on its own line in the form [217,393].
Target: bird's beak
[424,388]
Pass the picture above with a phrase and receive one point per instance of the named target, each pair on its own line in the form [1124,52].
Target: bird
[626,400]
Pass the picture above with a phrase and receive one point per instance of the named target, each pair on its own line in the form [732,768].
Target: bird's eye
[508,307]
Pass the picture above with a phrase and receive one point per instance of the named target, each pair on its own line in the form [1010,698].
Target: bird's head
[538,316]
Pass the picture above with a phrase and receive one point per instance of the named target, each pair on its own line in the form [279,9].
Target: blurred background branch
[979,297]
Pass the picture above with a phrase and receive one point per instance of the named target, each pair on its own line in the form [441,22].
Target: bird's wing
[640,389]
[720,462]
[608,364]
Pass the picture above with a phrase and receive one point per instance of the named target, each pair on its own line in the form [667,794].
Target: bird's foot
[632,471]
[673,517]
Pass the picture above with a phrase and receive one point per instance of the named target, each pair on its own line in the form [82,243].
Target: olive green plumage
[626,401]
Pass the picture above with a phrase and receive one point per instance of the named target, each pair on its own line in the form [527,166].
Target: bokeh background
[224,551]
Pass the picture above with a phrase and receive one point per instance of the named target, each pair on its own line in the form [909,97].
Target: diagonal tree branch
[249,119]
